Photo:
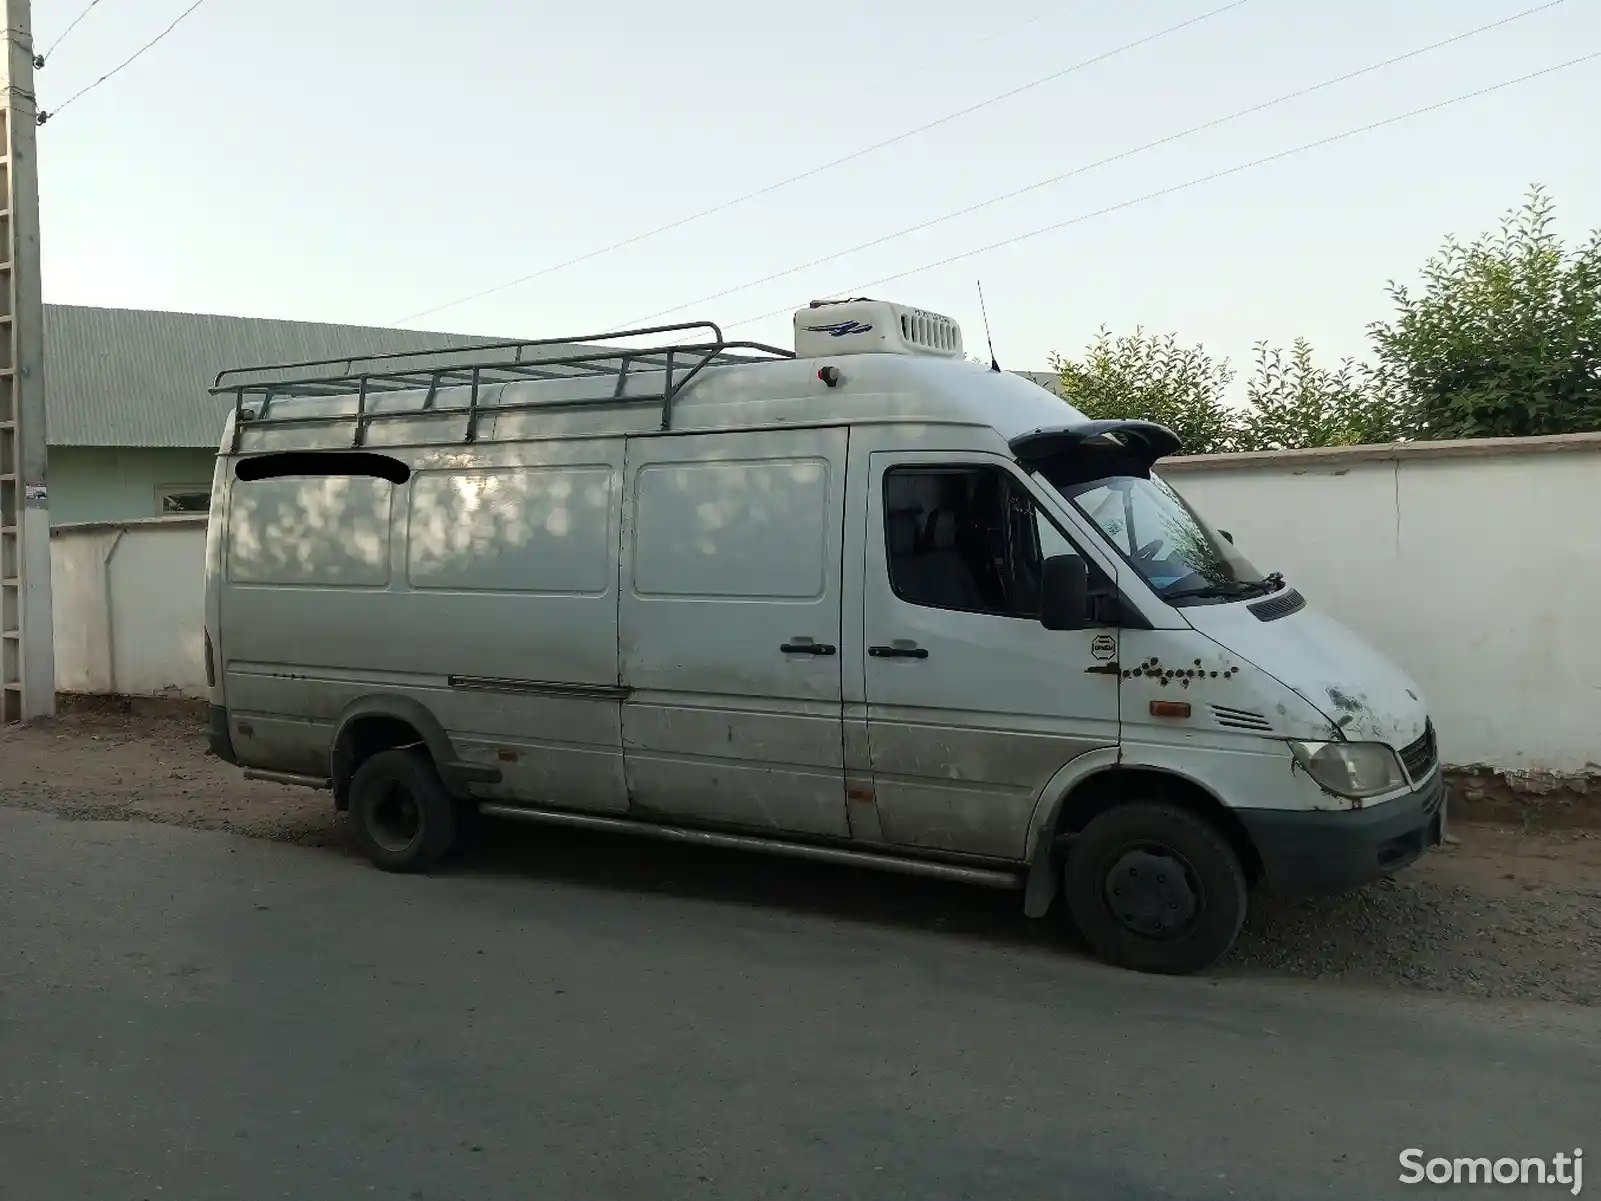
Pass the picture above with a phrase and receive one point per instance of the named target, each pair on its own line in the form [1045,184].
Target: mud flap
[1043,883]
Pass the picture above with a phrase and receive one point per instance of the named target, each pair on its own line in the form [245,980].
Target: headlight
[1351,769]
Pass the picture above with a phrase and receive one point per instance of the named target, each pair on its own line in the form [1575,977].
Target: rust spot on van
[506,755]
[1344,701]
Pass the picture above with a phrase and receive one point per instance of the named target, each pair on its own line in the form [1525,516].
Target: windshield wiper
[1234,588]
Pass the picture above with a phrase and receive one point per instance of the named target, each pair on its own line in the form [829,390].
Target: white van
[866,602]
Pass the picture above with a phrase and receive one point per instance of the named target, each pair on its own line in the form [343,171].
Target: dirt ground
[1502,913]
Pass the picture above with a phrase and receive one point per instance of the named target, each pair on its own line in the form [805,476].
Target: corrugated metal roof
[131,377]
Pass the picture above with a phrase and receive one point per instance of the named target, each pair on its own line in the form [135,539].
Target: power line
[40,61]
[828,166]
[1023,24]
[1088,167]
[1216,175]
[45,116]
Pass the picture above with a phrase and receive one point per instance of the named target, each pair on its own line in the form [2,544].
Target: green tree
[1152,378]
[1505,339]
[1293,403]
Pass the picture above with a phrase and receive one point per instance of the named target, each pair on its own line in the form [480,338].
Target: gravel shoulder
[1502,914]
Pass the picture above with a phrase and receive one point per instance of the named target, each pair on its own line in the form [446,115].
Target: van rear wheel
[402,816]
[1155,888]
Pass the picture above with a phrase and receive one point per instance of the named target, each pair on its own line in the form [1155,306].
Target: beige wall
[128,602]
[1475,565]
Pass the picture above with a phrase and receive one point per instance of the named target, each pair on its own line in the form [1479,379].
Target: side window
[314,518]
[966,538]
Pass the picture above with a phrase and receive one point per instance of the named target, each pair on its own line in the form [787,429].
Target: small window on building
[175,500]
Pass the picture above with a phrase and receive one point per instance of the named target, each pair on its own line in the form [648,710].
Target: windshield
[1183,559]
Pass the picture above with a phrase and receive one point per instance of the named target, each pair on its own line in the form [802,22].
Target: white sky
[360,160]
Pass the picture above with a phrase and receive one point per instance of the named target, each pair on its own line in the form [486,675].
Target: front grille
[1287,602]
[1419,757]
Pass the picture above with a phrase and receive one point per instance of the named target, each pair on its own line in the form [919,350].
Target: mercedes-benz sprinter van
[864,601]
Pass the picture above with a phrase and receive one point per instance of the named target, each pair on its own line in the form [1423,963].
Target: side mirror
[1064,593]
[1227,537]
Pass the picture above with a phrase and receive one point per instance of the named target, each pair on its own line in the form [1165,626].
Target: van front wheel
[402,816]
[1155,888]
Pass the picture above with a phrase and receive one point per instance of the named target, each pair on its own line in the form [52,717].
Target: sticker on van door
[1104,647]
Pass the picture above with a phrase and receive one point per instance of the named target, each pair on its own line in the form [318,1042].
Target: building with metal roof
[132,428]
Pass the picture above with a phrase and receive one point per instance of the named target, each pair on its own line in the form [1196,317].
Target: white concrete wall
[1475,565]
[128,601]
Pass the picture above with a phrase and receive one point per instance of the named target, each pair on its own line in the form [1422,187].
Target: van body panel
[484,588]
[730,628]
[1352,685]
[1233,702]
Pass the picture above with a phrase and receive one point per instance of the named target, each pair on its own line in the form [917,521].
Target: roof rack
[477,367]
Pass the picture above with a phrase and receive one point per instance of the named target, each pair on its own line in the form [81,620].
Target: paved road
[193,1015]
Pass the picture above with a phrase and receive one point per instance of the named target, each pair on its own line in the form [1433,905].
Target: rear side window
[312,519]
[968,539]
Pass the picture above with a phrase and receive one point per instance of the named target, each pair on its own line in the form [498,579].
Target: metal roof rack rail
[679,358]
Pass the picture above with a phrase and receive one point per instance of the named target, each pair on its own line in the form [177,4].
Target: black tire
[401,815]
[1155,888]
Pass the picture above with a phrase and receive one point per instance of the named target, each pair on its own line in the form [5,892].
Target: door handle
[897,652]
[807,648]
[1104,669]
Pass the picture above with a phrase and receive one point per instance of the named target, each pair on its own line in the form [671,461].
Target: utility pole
[27,641]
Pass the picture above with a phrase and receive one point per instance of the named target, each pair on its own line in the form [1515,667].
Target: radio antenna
[994,364]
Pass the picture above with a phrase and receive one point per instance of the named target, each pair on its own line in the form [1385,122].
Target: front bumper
[1308,852]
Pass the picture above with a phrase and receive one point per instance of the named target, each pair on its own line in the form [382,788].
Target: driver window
[966,538]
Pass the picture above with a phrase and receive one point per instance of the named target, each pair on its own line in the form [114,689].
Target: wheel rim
[1153,891]
[394,818]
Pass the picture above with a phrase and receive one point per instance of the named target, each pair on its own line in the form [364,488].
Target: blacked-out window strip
[322,464]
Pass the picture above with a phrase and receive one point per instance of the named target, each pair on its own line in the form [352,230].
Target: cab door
[972,705]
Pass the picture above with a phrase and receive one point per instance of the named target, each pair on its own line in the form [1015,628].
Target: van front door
[730,629]
[972,705]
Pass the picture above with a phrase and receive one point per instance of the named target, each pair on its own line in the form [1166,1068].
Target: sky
[367,161]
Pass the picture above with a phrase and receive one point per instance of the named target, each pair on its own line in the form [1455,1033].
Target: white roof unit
[862,326]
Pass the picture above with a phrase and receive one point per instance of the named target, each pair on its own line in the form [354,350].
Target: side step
[988,877]
[294,779]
